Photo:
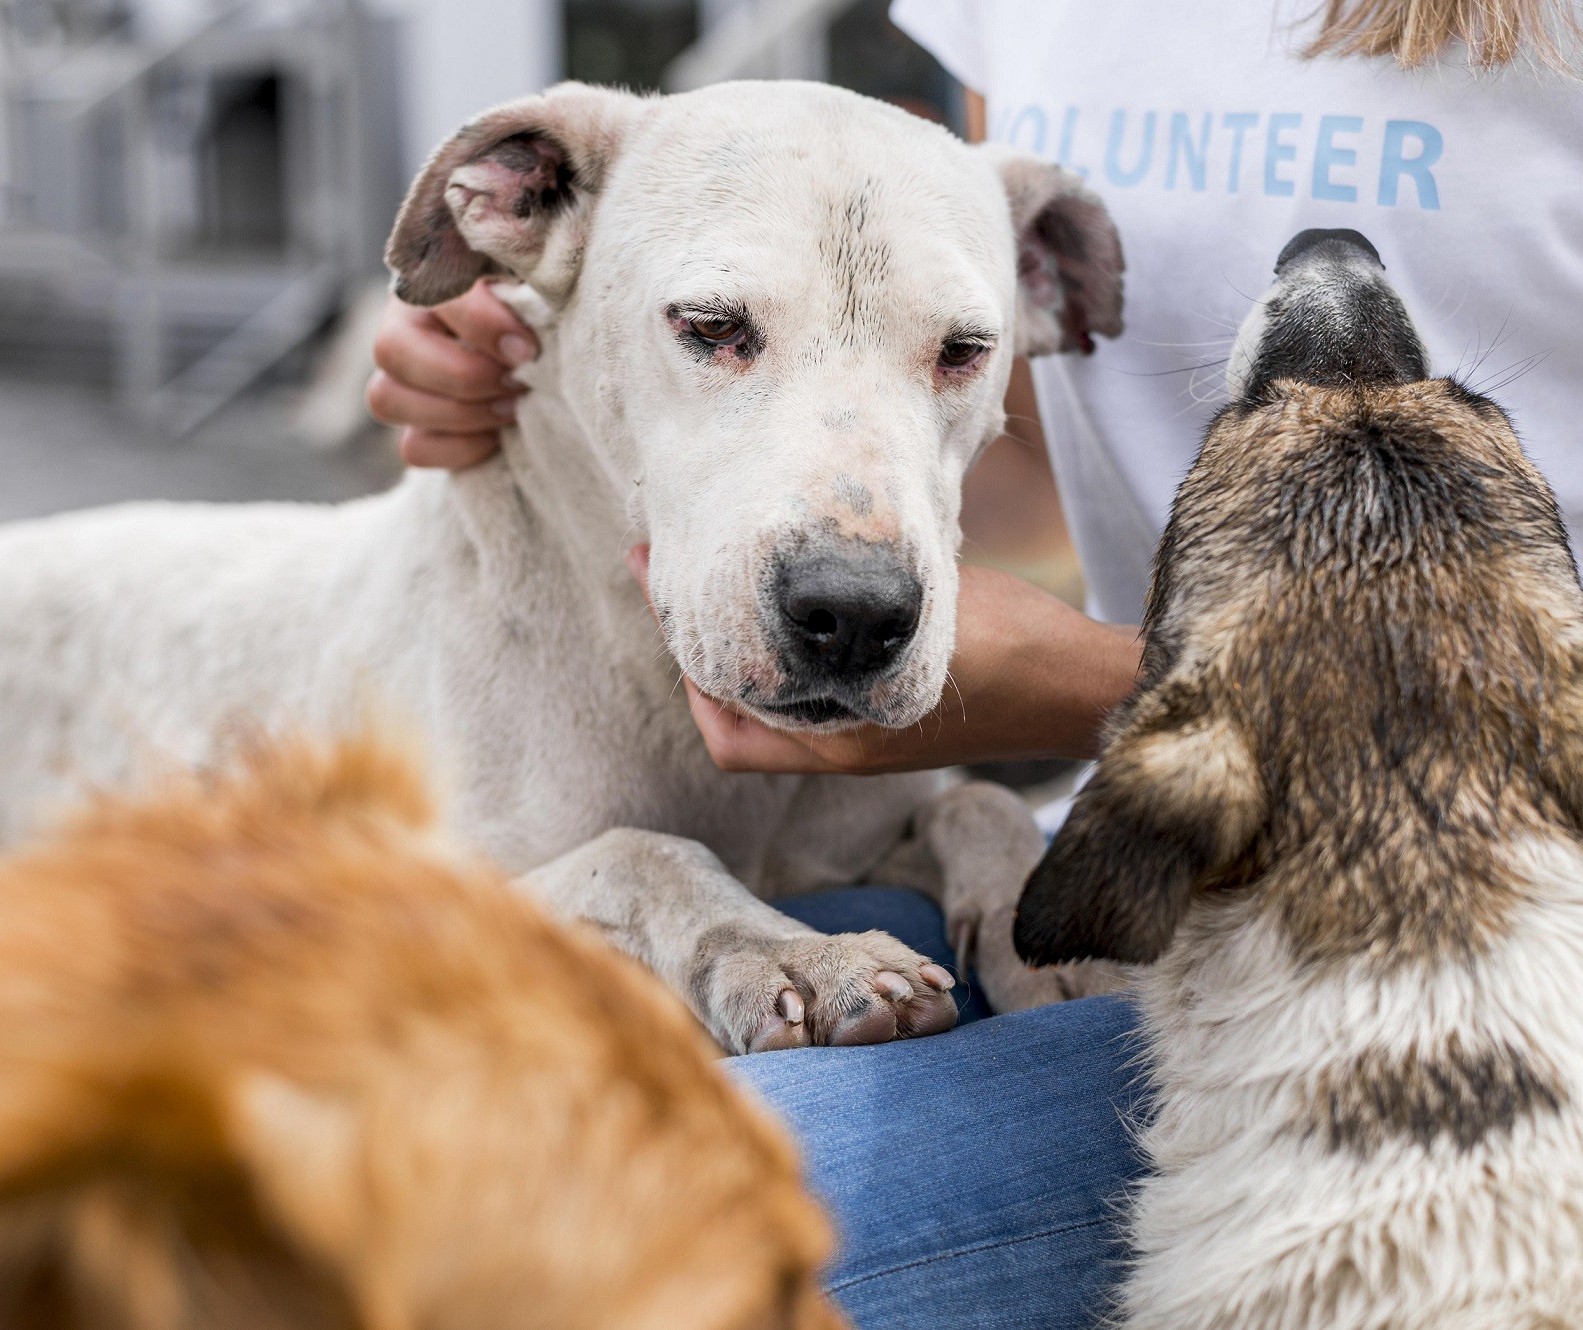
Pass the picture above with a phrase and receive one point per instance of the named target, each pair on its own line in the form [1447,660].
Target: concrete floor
[65,446]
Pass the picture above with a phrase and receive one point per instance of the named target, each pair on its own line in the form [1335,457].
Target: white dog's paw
[762,993]
[982,939]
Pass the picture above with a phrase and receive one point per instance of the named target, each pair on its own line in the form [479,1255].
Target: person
[976,1175]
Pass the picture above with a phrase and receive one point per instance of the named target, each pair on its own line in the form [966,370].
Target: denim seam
[963,1251]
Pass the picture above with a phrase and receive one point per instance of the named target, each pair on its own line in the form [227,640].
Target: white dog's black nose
[848,611]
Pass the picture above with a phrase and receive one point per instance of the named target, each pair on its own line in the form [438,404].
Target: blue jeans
[976,1176]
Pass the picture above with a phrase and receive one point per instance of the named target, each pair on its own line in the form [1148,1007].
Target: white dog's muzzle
[839,615]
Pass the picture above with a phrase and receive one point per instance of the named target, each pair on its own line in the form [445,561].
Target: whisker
[1225,277]
[1500,337]
[1512,373]
[1166,373]
[1208,341]
[961,701]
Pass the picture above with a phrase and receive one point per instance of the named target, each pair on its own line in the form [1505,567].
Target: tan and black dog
[273,1054]
[1343,810]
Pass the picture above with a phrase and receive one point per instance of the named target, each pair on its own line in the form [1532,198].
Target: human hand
[444,376]
[1030,677]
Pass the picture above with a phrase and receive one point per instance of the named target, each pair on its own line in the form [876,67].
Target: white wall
[464,55]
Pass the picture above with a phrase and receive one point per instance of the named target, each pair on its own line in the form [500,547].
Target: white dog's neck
[553,495]
[566,477]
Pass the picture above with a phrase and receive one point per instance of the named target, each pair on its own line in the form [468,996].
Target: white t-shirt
[1213,144]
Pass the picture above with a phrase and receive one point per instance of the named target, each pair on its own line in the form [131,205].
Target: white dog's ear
[1069,262]
[510,192]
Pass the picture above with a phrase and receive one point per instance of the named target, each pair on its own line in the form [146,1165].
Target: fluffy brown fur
[272,1055]
[1363,676]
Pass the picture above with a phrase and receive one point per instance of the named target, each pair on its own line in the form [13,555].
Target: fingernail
[505,408]
[937,976]
[511,383]
[791,1007]
[516,350]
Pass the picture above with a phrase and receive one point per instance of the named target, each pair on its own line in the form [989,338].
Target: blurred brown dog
[272,1055]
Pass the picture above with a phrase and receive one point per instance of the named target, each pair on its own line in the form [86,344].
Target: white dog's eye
[717,331]
[961,353]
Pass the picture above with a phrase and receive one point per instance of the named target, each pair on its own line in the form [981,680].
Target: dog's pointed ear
[1069,262]
[1170,802]
[510,193]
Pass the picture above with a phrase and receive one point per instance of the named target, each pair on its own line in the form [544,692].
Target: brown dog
[1344,812]
[272,1055]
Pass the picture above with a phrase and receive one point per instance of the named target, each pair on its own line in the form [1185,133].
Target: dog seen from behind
[1343,809]
[273,1055]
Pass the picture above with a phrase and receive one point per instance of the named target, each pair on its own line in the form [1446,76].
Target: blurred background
[194,195]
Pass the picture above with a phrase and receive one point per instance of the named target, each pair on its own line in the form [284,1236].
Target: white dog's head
[787,316]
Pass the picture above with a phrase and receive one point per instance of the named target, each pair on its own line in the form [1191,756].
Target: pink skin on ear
[495,197]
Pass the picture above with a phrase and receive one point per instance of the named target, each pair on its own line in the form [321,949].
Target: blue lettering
[1239,122]
[1276,152]
[1030,115]
[1113,168]
[1394,164]
[1183,150]
[1328,155]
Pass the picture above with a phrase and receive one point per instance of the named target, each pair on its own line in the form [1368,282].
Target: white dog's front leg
[757,979]
[971,848]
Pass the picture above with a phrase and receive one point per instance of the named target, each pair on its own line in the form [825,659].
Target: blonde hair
[1416,32]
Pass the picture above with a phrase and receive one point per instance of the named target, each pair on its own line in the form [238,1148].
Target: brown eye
[960,353]
[717,332]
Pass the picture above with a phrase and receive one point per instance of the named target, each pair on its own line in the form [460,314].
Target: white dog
[783,318]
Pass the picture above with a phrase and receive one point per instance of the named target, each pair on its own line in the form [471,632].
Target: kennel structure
[190,190]
[188,195]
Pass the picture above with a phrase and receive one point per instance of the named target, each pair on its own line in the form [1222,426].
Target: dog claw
[890,984]
[785,1028]
[857,988]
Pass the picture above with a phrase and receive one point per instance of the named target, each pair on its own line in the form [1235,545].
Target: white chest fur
[1295,1191]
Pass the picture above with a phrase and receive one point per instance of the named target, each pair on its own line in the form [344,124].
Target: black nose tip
[848,611]
[1337,241]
